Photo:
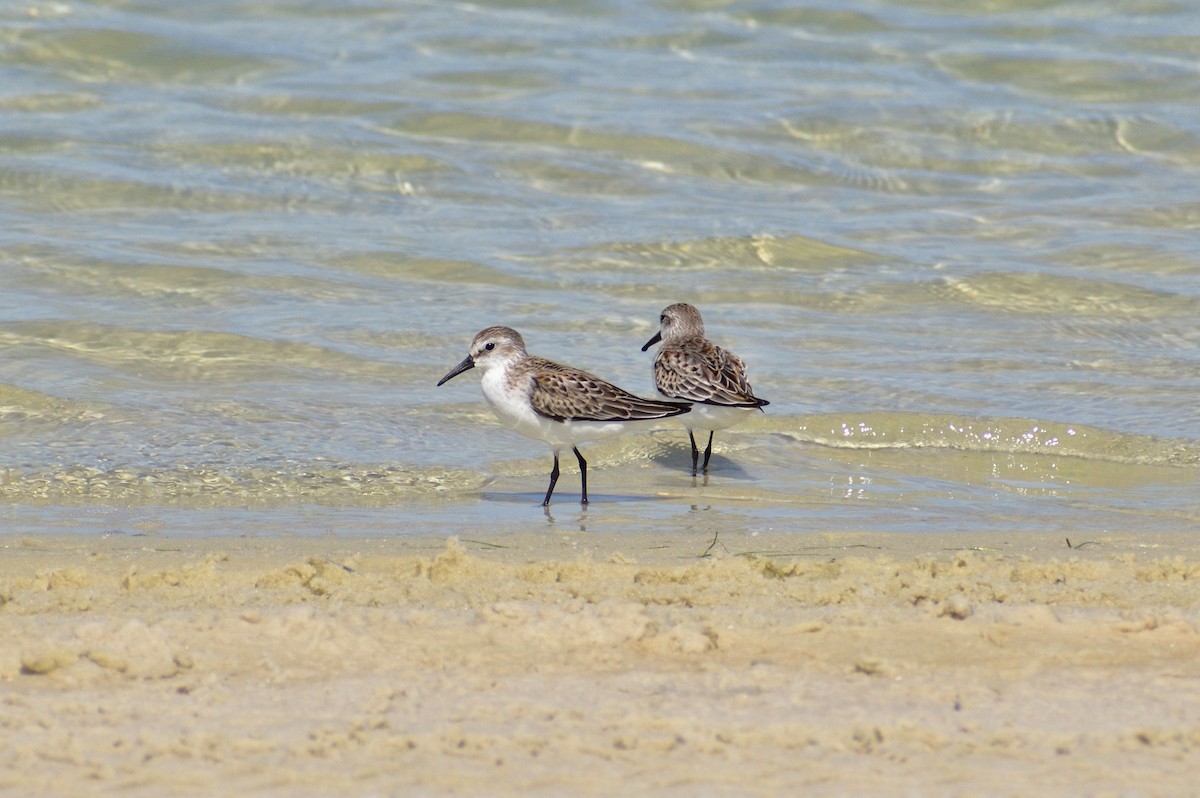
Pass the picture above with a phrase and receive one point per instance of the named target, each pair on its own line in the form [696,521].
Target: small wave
[1079,77]
[161,281]
[185,354]
[1065,296]
[210,486]
[1002,435]
[655,153]
[439,271]
[720,253]
[20,406]
[102,55]
[814,21]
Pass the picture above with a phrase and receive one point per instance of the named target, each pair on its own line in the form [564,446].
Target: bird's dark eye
[489,346]
[662,319]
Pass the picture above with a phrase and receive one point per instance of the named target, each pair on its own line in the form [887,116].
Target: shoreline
[543,663]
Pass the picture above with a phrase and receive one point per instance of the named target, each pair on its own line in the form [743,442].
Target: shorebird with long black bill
[560,405]
[691,368]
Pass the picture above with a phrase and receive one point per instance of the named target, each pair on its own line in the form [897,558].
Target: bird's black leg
[582,473]
[707,452]
[553,480]
[695,452]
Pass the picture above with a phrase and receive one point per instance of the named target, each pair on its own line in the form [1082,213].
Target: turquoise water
[240,243]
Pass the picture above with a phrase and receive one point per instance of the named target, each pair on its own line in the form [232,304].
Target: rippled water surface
[955,243]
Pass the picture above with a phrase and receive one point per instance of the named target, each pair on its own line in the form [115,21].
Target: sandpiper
[551,402]
[691,368]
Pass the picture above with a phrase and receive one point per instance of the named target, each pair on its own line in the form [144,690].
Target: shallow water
[240,243]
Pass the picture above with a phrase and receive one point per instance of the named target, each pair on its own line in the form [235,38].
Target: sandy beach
[552,663]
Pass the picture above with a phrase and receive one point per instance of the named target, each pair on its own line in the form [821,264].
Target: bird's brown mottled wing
[566,394]
[698,371]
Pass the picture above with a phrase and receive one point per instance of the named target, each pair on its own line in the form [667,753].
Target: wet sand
[553,663]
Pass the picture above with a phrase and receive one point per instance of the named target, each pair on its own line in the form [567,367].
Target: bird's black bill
[466,365]
[657,337]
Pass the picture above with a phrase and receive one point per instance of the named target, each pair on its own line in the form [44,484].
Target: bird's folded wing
[716,377]
[566,394]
